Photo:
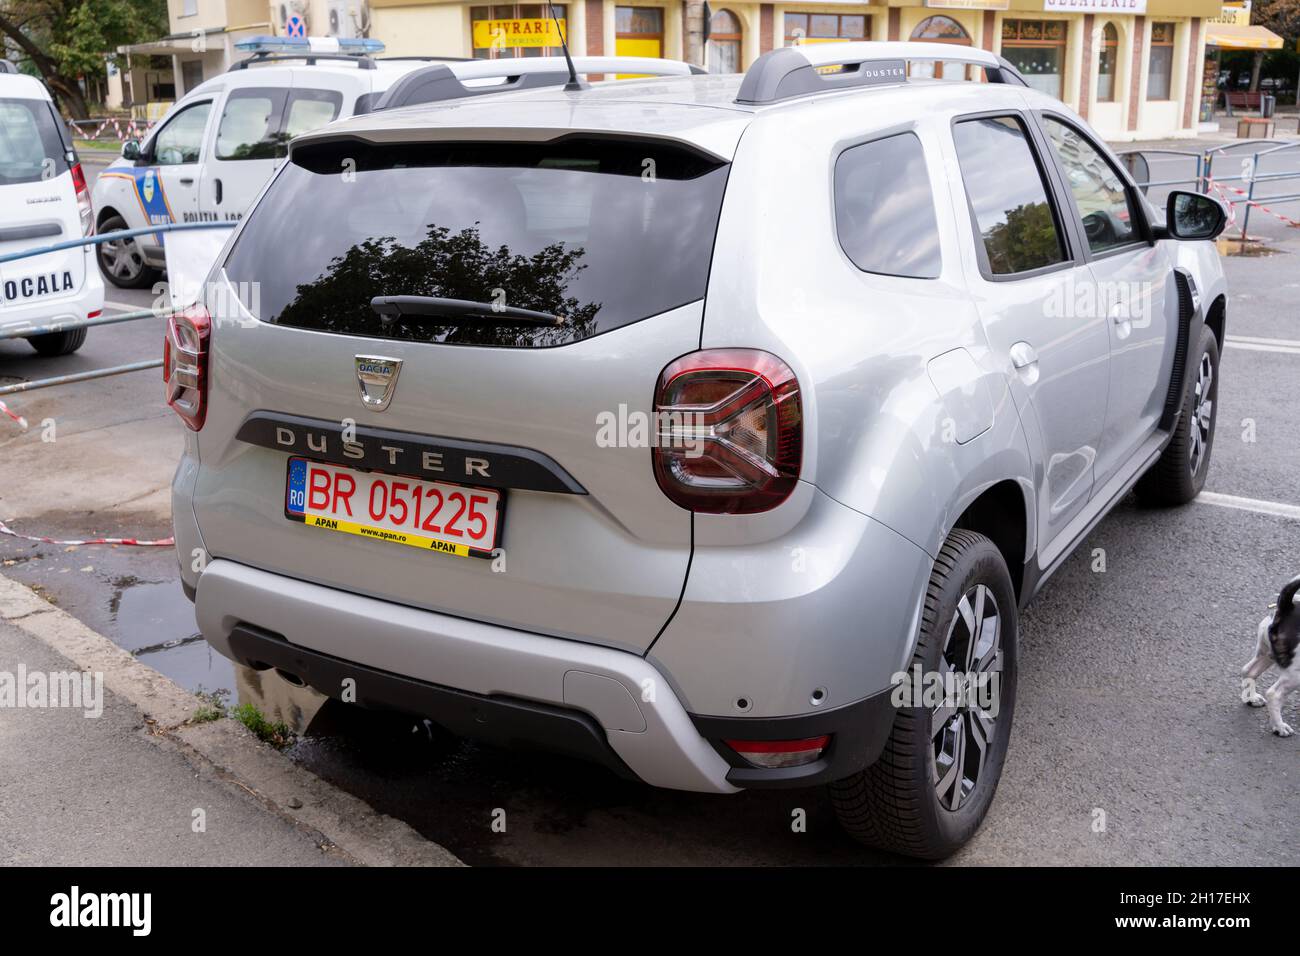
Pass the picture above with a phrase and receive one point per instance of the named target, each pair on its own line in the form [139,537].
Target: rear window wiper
[391,307]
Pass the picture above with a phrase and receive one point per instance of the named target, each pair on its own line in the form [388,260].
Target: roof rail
[447,81]
[793,71]
[361,62]
[8,66]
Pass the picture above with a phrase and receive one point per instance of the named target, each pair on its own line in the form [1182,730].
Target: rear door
[554,418]
[39,206]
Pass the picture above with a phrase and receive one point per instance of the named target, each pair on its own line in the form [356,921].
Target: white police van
[208,158]
[43,202]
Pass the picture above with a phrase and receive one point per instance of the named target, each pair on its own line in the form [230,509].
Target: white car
[209,157]
[43,201]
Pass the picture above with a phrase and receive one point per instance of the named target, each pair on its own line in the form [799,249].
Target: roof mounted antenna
[574,85]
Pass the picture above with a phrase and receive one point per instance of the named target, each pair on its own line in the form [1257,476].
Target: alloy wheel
[1202,414]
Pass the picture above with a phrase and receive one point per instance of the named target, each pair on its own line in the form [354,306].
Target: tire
[1179,473]
[122,263]
[58,343]
[902,803]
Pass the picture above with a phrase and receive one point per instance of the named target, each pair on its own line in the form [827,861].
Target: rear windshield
[31,148]
[599,232]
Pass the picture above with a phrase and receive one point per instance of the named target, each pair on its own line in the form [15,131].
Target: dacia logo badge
[378,378]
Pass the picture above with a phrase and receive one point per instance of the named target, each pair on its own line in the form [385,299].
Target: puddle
[155,621]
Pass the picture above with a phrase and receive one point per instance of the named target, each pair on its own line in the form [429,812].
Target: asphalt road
[1127,713]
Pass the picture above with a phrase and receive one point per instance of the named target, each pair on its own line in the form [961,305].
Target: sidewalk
[141,783]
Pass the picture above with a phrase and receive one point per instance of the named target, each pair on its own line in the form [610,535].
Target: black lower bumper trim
[858,734]
[504,721]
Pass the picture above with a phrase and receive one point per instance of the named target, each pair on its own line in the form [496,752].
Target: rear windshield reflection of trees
[451,265]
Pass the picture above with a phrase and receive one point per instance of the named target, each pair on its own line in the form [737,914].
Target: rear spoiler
[447,81]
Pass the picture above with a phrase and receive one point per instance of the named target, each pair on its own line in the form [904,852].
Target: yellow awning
[1236,36]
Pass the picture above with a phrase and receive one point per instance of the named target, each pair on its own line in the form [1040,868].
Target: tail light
[780,753]
[730,435]
[84,208]
[185,364]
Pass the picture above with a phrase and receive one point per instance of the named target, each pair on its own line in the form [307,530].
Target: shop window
[724,42]
[1160,67]
[939,30]
[1037,49]
[1107,63]
[825,28]
[639,31]
[518,29]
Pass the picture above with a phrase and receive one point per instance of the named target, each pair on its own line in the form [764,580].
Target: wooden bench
[1243,99]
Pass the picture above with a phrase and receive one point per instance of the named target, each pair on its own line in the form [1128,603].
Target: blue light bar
[305,46]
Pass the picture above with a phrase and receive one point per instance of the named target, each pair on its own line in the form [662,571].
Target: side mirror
[1194,216]
[131,149]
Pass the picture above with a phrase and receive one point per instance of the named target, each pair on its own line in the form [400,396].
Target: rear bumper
[512,687]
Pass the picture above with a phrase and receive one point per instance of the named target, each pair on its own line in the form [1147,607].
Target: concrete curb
[365,835]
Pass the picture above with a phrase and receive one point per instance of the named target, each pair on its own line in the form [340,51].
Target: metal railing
[1206,181]
[27,330]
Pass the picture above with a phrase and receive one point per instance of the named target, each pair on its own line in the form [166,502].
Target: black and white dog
[1279,635]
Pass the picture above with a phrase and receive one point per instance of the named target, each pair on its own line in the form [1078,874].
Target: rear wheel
[122,261]
[932,786]
[58,343]
[1179,474]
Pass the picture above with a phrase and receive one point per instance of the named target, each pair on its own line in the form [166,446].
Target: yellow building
[1132,67]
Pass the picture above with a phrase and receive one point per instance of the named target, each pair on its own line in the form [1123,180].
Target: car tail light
[780,753]
[84,208]
[185,364]
[730,431]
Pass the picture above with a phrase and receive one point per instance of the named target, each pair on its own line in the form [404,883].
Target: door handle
[217,184]
[1025,360]
[187,180]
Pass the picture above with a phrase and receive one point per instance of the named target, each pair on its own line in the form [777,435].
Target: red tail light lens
[185,364]
[730,431]
[780,753]
[84,209]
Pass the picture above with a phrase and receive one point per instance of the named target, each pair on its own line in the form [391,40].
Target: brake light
[84,208]
[730,435]
[780,753]
[185,364]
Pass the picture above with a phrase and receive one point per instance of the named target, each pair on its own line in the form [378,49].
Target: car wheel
[122,261]
[58,343]
[934,782]
[1179,474]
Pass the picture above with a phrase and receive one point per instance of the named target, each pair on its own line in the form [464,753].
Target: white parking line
[1275,509]
[1256,344]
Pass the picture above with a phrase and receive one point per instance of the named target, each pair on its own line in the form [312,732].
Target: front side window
[884,208]
[181,140]
[1103,202]
[250,124]
[1008,196]
[1160,67]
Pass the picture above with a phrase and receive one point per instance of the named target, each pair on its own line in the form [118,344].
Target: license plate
[431,515]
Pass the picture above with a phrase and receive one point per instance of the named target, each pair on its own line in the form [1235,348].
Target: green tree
[63,39]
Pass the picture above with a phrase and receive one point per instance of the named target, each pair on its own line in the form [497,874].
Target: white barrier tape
[1254,203]
[134,542]
[22,422]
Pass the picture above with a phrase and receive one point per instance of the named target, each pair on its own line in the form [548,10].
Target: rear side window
[599,232]
[29,142]
[250,124]
[1008,197]
[309,109]
[884,208]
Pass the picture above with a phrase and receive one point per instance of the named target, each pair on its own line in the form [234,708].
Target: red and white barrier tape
[22,422]
[1250,202]
[134,542]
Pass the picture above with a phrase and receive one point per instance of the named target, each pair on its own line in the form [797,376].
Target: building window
[1160,68]
[639,31]
[938,30]
[1037,49]
[189,8]
[517,29]
[1107,61]
[825,27]
[724,42]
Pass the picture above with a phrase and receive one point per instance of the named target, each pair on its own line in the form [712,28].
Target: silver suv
[741,414]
